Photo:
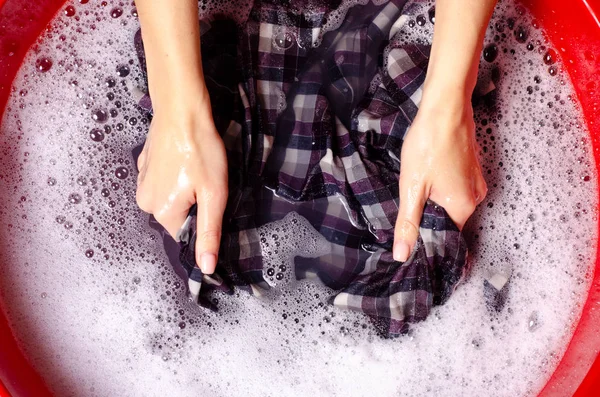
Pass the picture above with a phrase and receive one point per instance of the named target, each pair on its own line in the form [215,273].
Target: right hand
[439,161]
[184,162]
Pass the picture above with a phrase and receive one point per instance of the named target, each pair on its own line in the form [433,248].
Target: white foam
[118,323]
[285,239]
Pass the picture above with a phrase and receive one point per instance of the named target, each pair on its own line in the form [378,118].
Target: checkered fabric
[318,129]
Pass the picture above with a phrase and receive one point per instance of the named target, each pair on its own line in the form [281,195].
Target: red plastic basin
[574,30]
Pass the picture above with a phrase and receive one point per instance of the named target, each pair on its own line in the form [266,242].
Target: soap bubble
[116,12]
[121,173]
[43,64]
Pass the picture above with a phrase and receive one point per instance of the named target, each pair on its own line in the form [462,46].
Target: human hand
[438,162]
[184,162]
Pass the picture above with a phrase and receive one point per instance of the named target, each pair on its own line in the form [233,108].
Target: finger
[464,204]
[211,206]
[412,200]
[172,215]
[461,208]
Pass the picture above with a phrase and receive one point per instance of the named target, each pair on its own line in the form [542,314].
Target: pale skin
[184,161]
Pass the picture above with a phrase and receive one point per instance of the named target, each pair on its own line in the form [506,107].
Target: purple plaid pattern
[322,128]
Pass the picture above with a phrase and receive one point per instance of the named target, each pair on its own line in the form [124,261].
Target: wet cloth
[318,129]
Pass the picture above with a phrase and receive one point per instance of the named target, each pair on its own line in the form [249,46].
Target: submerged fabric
[318,130]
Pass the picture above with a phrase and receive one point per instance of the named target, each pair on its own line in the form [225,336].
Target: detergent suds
[99,310]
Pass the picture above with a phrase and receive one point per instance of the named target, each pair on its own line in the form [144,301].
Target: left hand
[184,161]
[438,162]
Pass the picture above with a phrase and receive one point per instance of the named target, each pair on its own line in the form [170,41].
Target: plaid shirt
[322,127]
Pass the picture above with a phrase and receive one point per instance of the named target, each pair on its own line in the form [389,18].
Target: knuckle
[221,192]
[481,191]
[215,193]
[407,229]
[208,236]
[140,161]
[410,180]
[484,192]
[143,201]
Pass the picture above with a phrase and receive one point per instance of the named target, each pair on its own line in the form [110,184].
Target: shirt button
[284,40]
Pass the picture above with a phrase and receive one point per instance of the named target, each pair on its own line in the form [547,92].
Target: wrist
[176,80]
[445,102]
[444,90]
[448,106]
[179,99]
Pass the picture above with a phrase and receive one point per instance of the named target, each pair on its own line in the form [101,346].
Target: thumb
[208,231]
[412,200]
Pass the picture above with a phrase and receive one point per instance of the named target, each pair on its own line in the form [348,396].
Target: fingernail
[207,262]
[401,251]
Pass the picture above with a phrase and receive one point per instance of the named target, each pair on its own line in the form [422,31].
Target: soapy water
[99,311]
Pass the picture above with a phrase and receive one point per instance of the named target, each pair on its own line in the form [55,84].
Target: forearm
[171,37]
[460,27]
